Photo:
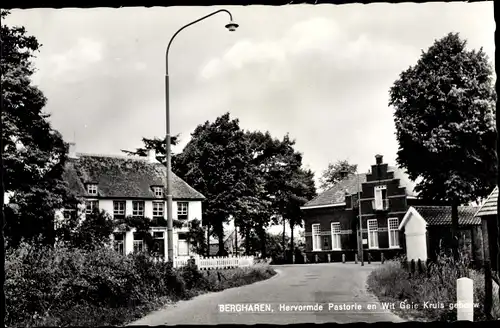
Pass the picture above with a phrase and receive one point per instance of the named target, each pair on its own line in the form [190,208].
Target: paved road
[308,284]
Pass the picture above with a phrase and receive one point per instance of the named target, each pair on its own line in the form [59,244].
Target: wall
[194,211]
[325,216]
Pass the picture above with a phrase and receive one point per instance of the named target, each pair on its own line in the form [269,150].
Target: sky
[321,73]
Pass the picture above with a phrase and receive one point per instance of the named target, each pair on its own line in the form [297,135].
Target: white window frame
[138,208]
[392,228]
[371,243]
[93,203]
[316,244]
[336,239]
[182,209]
[378,202]
[158,191]
[159,209]
[119,244]
[139,244]
[119,207]
[92,189]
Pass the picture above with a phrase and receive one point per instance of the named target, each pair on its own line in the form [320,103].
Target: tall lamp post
[344,174]
[231,26]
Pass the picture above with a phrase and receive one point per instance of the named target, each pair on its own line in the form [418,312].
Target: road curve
[337,284]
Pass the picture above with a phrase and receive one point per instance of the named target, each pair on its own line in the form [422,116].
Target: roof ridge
[138,158]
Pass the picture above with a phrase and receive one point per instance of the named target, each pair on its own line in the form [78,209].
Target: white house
[133,186]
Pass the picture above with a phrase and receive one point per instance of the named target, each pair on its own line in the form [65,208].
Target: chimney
[151,154]
[378,159]
[72,150]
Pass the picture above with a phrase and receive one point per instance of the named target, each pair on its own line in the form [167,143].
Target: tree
[156,144]
[445,124]
[93,232]
[213,162]
[300,189]
[332,174]
[33,153]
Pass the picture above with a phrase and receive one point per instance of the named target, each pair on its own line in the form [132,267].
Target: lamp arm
[187,25]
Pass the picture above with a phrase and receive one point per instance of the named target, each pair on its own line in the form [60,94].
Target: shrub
[60,286]
[437,284]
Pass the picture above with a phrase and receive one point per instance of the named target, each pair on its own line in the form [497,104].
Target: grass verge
[428,296]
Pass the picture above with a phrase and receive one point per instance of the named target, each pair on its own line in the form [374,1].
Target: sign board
[365,241]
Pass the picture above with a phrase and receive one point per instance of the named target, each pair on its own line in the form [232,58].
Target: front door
[182,244]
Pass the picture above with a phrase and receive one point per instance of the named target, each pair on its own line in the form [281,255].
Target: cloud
[76,59]
[317,38]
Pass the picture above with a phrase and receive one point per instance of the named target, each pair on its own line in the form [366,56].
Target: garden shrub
[60,286]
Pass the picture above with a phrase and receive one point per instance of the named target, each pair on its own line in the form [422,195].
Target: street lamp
[343,174]
[231,26]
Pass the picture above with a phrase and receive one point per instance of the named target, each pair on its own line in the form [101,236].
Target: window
[69,213]
[158,191]
[316,237]
[392,227]
[182,245]
[336,235]
[91,206]
[92,189]
[119,243]
[139,245]
[159,243]
[182,210]
[137,208]
[118,208]
[158,209]
[372,234]
[380,202]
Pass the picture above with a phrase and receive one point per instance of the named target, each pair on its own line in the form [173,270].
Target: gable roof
[123,176]
[490,205]
[441,215]
[336,194]
[412,212]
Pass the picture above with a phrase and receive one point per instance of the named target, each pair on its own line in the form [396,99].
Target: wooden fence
[211,263]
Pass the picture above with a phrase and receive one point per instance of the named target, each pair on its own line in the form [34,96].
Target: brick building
[386,194]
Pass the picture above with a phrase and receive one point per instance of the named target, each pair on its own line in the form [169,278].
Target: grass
[392,283]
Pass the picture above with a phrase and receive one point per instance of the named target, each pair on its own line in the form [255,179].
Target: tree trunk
[454,229]
[262,235]
[292,253]
[208,240]
[284,238]
[247,240]
[236,239]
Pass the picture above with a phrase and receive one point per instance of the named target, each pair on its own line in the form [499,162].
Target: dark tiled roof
[336,194]
[490,206]
[123,176]
[441,215]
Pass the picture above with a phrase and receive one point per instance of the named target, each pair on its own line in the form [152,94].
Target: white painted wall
[194,212]
[416,238]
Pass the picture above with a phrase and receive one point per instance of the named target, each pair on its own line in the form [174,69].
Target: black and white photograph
[250,164]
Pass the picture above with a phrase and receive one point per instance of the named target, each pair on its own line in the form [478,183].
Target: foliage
[333,173]
[156,144]
[51,286]
[445,109]
[212,163]
[437,285]
[93,232]
[196,237]
[34,154]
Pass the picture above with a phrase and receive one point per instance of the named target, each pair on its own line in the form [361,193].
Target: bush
[63,286]
[393,282]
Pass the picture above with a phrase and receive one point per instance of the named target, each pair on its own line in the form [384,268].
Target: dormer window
[158,191]
[92,189]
